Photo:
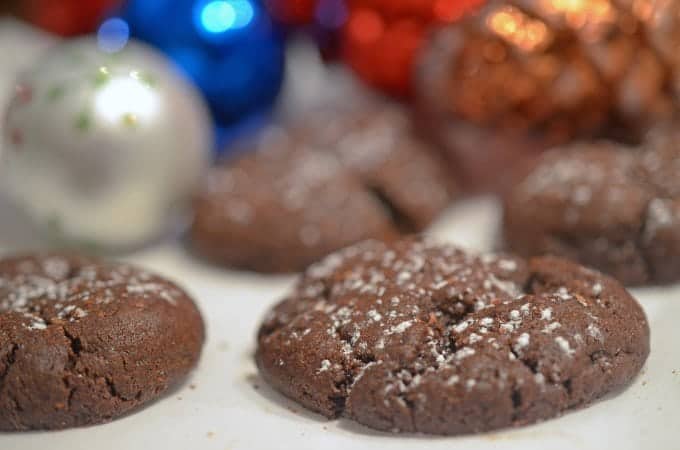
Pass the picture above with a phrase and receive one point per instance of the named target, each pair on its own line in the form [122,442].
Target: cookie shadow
[190,252]
[284,405]
[529,432]
[173,391]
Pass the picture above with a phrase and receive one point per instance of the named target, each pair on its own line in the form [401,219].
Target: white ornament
[104,149]
[20,45]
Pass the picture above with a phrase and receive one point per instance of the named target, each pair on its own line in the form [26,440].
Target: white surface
[19,46]
[225,411]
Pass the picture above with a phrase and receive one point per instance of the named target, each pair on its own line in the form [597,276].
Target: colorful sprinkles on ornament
[85,128]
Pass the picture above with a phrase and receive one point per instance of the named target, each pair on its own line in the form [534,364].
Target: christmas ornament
[522,76]
[382,37]
[67,17]
[229,48]
[104,148]
[20,46]
[293,13]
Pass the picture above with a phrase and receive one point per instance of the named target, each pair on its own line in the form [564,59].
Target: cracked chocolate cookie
[307,191]
[418,337]
[613,208]
[84,341]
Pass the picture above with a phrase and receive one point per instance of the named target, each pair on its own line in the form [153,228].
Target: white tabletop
[225,405]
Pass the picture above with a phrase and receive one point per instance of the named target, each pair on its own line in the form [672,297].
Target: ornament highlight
[104,149]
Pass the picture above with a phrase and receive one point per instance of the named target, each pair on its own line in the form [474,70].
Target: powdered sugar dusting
[546,314]
[398,329]
[594,332]
[325,365]
[326,176]
[618,202]
[522,342]
[659,216]
[564,345]
[54,289]
[443,311]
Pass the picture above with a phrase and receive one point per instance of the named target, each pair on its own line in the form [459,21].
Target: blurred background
[235,50]
[118,94]
[233,67]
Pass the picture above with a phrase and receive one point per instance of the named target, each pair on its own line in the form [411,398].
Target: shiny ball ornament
[382,38]
[104,149]
[522,76]
[229,48]
[67,17]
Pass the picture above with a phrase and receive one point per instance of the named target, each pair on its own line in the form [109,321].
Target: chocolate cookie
[610,207]
[83,341]
[424,338]
[309,190]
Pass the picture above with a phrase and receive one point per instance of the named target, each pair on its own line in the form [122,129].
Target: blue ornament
[229,48]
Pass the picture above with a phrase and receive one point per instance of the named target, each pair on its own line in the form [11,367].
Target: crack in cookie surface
[309,190]
[422,337]
[85,341]
[605,205]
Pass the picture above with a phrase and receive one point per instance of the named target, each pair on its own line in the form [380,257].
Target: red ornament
[292,12]
[67,17]
[382,37]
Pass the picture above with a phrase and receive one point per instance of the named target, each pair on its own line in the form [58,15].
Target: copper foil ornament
[523,75]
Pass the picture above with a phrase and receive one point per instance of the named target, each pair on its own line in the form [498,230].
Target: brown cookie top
[83,341]
[611,207]
[421,337]
[309,190]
